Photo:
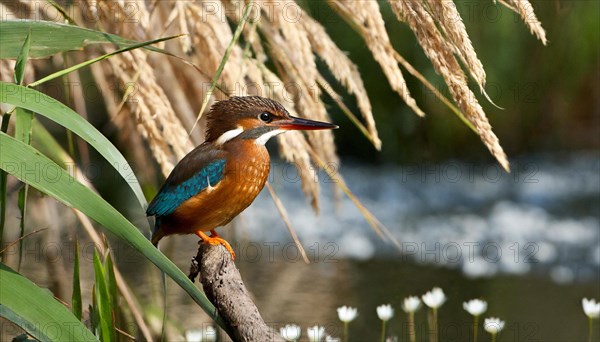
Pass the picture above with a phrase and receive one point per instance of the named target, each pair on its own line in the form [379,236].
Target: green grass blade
[163,329]
[111,283]
[93,308]
[94,60]
[105,318]
[76,302]
[35,310]
[44,40]
[22,133]
[22,205]
[37,102]
[22,60]
[3,180]
[61,11]
[22,338]
[45,143]
[23,125]
[16,158]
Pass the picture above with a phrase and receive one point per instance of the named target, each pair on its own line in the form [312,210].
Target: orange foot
[215,239]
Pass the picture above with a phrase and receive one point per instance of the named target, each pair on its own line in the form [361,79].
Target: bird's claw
[217,240]
[220,241]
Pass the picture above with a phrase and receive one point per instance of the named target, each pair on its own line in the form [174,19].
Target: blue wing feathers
[172,195]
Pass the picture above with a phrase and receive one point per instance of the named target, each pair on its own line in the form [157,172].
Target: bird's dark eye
[265,117]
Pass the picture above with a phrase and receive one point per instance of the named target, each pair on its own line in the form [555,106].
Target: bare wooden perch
[224,287]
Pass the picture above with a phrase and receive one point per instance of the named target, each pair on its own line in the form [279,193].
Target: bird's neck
[247,162]
[246,149]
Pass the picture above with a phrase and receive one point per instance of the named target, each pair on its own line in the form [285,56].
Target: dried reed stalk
[450,22]
[12,10]
[155,118]
[298,71]
[344,70]
[210,35]
[525,9]
[162,110]
[286,220]
[440,52]
[366,17]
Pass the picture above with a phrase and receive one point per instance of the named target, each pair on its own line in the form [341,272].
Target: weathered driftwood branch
[224,287]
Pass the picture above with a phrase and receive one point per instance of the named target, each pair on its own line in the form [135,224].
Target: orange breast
[244,177]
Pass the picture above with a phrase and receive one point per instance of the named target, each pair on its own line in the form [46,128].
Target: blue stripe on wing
[172,195]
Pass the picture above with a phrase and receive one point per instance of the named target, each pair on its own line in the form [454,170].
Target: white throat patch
[225,137]
[265,137]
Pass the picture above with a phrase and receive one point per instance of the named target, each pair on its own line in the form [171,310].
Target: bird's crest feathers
[239,111]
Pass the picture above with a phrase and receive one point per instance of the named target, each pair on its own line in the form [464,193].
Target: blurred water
[542,217]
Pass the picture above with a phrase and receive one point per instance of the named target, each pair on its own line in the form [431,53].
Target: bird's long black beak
[303,124]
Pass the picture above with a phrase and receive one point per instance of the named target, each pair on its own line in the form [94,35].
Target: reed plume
[160,97]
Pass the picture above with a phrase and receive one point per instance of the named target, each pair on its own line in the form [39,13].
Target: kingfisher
[221,177]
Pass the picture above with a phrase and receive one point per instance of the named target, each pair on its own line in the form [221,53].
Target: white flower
[591,307]
[411,304]
[207,334]
[290,332]
[347,313]
[210,334]
[385,312]
[316,333]
[434,298]
[332,339]
[193,335]
[493,325]
[475,306]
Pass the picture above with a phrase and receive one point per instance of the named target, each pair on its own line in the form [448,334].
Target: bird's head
[253,117]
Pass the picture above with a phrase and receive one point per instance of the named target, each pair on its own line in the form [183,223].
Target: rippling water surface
[543,217]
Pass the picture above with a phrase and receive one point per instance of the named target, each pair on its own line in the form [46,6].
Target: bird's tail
[157,233]
[156,236]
